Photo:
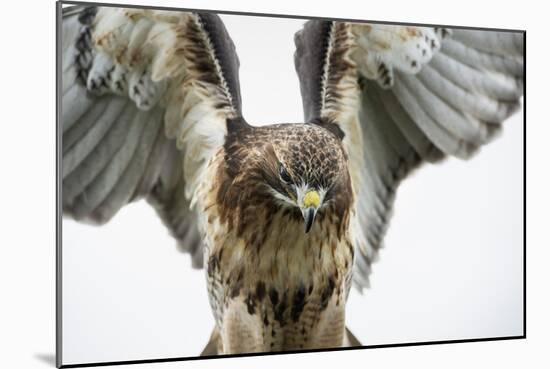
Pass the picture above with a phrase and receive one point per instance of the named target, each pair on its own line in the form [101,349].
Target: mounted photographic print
[234,184]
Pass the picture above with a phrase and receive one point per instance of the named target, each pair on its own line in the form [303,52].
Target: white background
[27,313]
[451,269]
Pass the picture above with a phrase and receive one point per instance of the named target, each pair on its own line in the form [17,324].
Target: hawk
[284,218]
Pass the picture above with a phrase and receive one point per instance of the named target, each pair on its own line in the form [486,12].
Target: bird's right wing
[145,99]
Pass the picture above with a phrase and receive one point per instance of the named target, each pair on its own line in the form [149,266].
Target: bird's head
[301,169]
[305,170]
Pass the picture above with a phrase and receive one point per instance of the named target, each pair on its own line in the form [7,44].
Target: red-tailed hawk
[286,217]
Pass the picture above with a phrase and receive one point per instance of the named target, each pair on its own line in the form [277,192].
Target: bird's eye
[284,174]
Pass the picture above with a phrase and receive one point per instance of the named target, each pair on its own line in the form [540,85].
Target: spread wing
[402,96]
[145,97]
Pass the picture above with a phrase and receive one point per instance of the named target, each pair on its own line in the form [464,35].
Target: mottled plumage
[283,217]
[272,286]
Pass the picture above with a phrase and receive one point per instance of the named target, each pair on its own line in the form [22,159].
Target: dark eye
[284,174]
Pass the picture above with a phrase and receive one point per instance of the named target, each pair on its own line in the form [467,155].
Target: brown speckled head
[311,155]
[300,168]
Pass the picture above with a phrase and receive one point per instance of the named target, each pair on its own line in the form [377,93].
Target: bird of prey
[284,218]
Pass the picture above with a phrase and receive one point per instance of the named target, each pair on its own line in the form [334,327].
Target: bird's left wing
[145,100]
[400,96]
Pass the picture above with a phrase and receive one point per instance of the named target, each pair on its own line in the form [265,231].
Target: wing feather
[495,42]
[402,96]
[146,97]
[439,110]
[439,135]
[478,59]
[121,193]
[116,110]
[412,133]
[475,81]
[71,110]
[77,132]
[98,157]
[479,105]
[90,198]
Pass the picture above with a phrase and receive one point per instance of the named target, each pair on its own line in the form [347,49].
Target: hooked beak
[309,208]
[309,217]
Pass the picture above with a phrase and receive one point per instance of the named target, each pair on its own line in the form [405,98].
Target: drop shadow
[46,358]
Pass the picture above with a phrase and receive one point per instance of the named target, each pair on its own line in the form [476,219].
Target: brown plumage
[272,285]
